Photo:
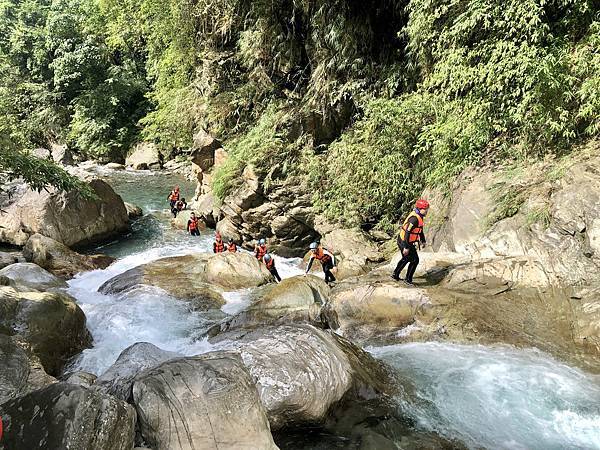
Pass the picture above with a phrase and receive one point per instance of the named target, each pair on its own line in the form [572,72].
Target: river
[480,397]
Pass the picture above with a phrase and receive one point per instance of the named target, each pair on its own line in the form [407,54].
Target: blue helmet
[267,257]
[262,241]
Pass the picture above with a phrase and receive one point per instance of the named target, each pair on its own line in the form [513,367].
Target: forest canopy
[369,100]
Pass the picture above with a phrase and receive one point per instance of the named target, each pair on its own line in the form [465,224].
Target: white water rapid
[496,397]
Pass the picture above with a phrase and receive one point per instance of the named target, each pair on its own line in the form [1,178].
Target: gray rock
[119,377]
[29,275]
[115,166]
[66,416]
[20,371]
[302,372]
[61,155]
[6,259]
[295,299]
[60,259]
[84,379]
[133,211]
[65,217]
[144,156]
[206,401]
[52,323]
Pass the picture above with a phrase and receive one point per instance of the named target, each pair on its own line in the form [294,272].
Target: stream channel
[477,396]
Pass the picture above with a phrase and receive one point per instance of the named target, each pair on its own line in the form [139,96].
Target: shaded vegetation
[370,100]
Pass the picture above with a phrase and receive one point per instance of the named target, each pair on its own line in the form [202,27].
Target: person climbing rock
[261,249]
[173,196]
[231,246]
[179,206]
[218,245]
[270,263]
[411,235]
[193,225]
[325,257]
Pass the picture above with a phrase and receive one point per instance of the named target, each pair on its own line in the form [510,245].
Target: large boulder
[61,155]
[20,371]
[66,416]
[555,220]
[27,276]
[60,259]
[144,156]
[64,217]
[200,277]
[118,378]
[295,299]
[355,251]
[302,371]
[207,401]
[373,310]
[51,323]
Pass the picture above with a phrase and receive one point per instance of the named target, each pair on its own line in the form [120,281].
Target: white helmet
[314,246]
[267,257]
[261,241]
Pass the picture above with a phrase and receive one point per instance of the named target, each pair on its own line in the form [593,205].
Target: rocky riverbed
[168,346]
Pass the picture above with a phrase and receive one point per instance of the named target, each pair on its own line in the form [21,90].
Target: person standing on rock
[411,235]
[231,246]
[193,226]
[326,259]
[270,263]
[261,249]
[173,197]
[218,245]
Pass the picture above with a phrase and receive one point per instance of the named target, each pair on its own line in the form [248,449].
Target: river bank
[445,394]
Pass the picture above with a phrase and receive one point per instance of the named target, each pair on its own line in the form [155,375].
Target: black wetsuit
[412,259]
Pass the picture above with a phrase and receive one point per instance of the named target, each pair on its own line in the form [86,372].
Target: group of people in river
[411,236]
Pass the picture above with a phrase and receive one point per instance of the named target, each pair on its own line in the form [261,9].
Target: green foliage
[61,82]
[263,147]
[39,173]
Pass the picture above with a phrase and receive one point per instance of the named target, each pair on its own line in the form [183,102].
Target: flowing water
[482,397]
[496,397]
[148,314]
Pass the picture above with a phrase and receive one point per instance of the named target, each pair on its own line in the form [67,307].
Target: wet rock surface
[64,415]
[51,323]
[206,401]
[302,371]
[60,259]
[200,277]
[118,379]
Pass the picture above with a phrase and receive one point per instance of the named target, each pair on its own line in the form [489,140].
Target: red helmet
[422,204]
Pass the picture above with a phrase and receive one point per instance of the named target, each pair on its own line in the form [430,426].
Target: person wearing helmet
[325,257]
[261,249]
[218,245]
[270,263]
[231,246]
[411,235]
[179,206]
[193,227]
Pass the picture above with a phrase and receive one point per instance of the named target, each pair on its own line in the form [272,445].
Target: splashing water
[497,397]
[149,314]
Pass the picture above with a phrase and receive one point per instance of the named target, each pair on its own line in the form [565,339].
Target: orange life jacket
[322,256]
[193,224]
[174,196]
[270,264]
[232,247]
[415,234]
[219,247]
[260,251]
